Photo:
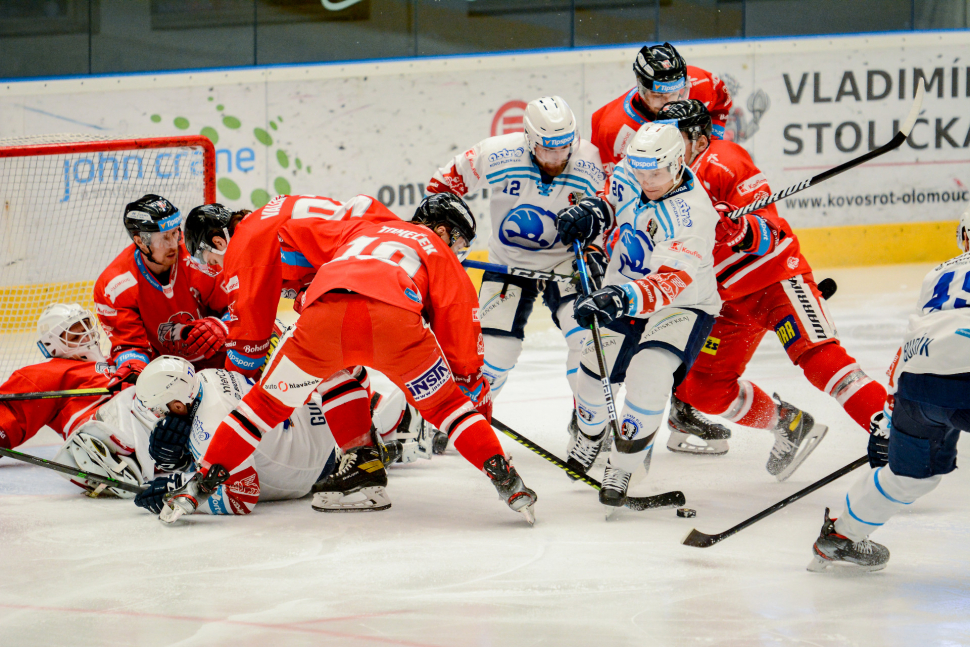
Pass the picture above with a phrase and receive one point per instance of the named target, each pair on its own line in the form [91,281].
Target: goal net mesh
[62,198]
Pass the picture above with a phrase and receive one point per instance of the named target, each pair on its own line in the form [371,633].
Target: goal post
[62,198]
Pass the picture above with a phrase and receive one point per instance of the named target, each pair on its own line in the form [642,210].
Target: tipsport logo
[162,168]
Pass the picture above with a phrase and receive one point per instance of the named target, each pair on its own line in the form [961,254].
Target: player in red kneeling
[766,284]
[395,298]
[155,299]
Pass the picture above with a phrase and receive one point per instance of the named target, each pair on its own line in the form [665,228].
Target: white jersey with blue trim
[288,459]
[937,338]
[523,209]
[676,232]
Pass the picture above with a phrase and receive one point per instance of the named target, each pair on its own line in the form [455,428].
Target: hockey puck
[686,513]
[827,287]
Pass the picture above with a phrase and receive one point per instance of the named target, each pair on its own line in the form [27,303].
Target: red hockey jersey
[21,420]
[729,175]
[144,318]
[256,274]
[615,124]
[408,266]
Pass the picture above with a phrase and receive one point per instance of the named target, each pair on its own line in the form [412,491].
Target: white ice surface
[449,564]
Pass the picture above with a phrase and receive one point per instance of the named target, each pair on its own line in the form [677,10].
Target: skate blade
[612,512]
[809,443]
[170,514]
[679,443]
[374,499]
[818,564]
[529,514]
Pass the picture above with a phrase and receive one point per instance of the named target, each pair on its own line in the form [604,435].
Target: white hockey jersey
[675,232]
[287,461]
[937,338]
[523,210]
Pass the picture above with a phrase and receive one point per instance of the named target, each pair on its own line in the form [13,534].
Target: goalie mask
[166,379]
[93,449]
[69,331]
[656,158]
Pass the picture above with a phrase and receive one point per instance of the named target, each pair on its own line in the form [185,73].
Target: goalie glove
[168,444]
[478,390]
[153,498]
[585,221]
[204,338]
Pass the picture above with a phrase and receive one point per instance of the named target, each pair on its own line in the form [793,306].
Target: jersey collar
[167,290]
[631,110]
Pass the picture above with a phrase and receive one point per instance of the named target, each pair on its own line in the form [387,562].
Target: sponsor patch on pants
[787,331]
[711,345]
[428,383]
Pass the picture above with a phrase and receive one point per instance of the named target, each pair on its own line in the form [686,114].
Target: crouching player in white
[928,407]
[286,464]
[659,299]
[531,176]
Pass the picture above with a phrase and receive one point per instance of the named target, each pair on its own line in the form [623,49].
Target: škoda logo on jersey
[428,383]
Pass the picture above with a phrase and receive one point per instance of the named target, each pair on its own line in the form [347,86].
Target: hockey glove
[596,262]
[606,305]
[879,428]
[169,443]
[204,338]
[584,221]
[128,370]
[152,498]
[478,390]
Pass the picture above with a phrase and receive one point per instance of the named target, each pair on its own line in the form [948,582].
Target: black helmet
[202,224]
[689,116]
[149,214]
[449,210]
[660,68]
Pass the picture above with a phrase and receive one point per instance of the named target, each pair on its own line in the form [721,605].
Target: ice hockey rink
[450,565]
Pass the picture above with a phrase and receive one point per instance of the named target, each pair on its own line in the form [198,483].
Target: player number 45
[941,293]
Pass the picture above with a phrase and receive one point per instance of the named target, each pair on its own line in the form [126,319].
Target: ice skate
[585,450]
[831,547]
[686,423]
[357,485]
[187,499]
[796,436]
[613,489]
[573,430]
[510,487]
[440,442]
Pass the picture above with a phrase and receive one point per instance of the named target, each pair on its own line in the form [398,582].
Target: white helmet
[166,378]
[963,232]
[57,339]
[91,449]
[657,147]
[549,123]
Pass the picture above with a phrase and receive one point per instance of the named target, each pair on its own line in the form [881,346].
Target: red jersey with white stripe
[615,123]
[141,316]
[21,420]
[729,175]
[256,275]
[410,267]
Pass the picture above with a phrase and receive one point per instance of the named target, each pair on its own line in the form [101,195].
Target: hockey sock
[752,407]
[238,434]
[876,497]
[832,370]
[474,438]
[346,407]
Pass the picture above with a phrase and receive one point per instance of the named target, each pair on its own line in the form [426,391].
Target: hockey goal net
[62,198]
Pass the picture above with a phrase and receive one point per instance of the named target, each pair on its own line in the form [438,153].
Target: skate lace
[616,479]
[864,547]
[782,445]
[346,463]
[585,447]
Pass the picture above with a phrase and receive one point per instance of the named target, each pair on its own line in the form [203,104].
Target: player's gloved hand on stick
[126,374]
[584,221]
[152,498]
[478,390]
[204,337]
[596,262]
[742,233]
[879,429]
[605,306]
[169,441]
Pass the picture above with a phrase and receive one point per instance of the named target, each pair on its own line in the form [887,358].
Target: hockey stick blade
[893,144]
[47,395]
[698,539]
[66,469]
[671,499]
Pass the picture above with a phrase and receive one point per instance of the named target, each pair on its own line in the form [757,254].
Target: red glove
[477,389]
[130,365]
[734,233]
[204,338]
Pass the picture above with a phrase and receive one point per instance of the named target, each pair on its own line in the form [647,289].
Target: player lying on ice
[659,297]
[395,298]
[766,285]
[915,443]
[531,176]
[155,299]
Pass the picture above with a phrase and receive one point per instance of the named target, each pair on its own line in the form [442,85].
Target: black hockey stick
[66,469]
[517,271]
[46,395]
[674,499]
[700,540]
[893,144]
